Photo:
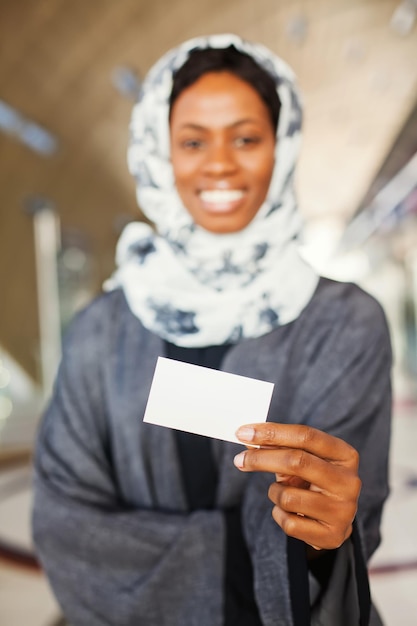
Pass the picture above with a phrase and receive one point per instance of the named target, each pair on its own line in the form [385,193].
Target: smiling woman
[222,151]
[137,524]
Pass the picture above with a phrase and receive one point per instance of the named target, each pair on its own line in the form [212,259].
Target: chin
[222,224]
[222,228]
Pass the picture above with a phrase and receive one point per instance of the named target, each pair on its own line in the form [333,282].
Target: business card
[205,401]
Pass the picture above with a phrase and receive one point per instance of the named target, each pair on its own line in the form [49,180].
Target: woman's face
[222,151]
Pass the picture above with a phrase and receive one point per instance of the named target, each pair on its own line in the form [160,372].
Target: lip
[221,200]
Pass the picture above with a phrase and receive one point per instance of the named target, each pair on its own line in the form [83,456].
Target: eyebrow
[193,126]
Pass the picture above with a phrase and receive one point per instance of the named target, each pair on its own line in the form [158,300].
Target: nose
[220,160]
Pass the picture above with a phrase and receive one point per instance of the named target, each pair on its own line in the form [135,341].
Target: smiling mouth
[221,200]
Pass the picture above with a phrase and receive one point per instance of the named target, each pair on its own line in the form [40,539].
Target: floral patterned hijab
[192,287]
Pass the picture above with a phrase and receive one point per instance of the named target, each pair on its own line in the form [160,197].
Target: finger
[293,481]
[289,462]
[300,436]
[316,534]
[314,505]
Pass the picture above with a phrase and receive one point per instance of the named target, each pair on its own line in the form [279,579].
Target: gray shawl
[110,520]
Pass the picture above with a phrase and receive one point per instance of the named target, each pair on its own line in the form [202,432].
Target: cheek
[261,173]
[184,170]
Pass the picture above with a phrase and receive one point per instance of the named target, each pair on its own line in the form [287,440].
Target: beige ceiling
[358,77]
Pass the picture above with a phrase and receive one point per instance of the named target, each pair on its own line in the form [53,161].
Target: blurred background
[69,74]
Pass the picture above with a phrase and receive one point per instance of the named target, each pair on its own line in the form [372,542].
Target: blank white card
[205,401]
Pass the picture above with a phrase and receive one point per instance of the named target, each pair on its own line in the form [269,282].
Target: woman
[136,524]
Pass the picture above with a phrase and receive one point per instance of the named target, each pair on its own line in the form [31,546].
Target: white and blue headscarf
[192,287]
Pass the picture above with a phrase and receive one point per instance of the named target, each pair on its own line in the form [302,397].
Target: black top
[200,482]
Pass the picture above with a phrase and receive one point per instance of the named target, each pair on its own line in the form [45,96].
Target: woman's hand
[316,488]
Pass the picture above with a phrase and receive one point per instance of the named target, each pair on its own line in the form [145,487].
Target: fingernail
[245,433]
[239,459]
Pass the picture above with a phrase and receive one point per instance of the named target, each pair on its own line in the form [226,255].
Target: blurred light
[355,50]
[353,266]
[404,18]
[4,376]
[127,81]
[74,259]
[387,204]
[321,237]
[297,29]
[6,408]
[379,81]
[38,139]
[25,130]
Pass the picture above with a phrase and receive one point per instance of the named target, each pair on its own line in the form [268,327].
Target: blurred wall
[56,64]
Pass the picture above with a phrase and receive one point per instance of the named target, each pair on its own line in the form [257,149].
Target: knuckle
[335,536]
[288,500]
[269,432]
[344,515]
[353,491]
[339,538]
[299,460]
[289,525]
[273,492]
[350,487]
[353,511]
[354,458]
[356,486]
[308,435]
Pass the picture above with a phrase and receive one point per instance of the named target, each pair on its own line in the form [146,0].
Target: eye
[246,141]
[192,144]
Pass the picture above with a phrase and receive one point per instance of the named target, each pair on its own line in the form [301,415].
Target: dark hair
[204,60]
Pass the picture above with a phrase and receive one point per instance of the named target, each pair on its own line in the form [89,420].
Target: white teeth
[220,196]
